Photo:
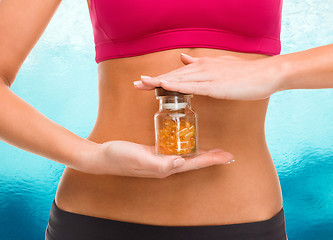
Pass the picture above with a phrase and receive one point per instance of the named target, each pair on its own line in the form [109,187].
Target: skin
[113,173]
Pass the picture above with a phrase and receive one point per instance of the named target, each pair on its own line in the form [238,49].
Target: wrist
[84,156]
[283,73]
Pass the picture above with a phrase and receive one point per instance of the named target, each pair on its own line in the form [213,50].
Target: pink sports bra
[125,28]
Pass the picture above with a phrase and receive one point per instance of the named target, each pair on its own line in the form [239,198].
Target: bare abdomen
[247,190]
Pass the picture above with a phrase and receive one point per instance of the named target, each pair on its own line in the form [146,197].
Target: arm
[22,23]
[310,69]
[23,126]
[234,78]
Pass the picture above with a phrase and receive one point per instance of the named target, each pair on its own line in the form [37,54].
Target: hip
[247,190]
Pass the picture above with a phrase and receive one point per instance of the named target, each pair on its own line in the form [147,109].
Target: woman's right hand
[136,160]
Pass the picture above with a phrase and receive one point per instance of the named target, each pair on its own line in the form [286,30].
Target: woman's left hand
[223,77]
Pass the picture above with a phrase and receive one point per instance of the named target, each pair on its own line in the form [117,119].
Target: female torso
[245,191]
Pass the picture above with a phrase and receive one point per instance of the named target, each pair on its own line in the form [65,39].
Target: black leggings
[64,225]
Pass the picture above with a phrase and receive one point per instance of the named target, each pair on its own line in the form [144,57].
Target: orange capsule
[189,135]
[192,128]
[182,132]
[183,144]
[168,123]
[183,151]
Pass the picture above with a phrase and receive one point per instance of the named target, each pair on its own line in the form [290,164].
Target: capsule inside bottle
[176,136]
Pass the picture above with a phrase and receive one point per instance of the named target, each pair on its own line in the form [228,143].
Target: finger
[198,88]
[142,86]
[160,166]
[187,59]
[205,160]
[149,83]
[197,76]
[187,77]
[148,80]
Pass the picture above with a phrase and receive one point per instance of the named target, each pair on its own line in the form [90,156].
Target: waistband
[186,37]
[66,225]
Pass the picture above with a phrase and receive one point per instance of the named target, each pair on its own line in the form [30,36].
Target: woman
[114,187]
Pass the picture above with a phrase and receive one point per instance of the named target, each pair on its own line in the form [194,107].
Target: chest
[133,18]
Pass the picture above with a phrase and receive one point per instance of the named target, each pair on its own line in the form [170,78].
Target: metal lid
[159,91]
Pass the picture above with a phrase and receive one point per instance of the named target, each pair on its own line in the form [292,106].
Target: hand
[224,77]
[136,160]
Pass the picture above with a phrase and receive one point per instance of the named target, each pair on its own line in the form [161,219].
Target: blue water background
[59,78]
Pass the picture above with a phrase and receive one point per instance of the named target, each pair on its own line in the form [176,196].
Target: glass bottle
[176,128]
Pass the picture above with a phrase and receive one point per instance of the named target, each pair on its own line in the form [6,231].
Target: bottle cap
[159,91]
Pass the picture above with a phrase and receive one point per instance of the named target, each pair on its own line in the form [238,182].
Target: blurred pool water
[59,78]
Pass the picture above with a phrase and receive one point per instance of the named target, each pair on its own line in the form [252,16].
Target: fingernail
[185,55]
[136,83]
[163,81]
[178,162]
[143,77]
[231,161]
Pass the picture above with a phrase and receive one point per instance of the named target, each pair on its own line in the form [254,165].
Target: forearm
[24,127]
[310,69]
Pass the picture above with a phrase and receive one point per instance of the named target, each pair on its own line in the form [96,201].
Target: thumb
[187,59]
